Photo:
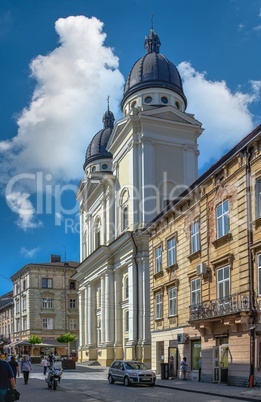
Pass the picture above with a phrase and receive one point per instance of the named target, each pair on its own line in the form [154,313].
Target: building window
[126,319]
[97,233]
[24,284]
[158,309]
[47,323]
[72,285]
[17,289]
[195,239]
[172,301]
[17,307]
[72,303]
[124,210]
[17,325]
[223,282]
[24,324]
[47,283]
[172,255]
[24,304]
[158,259]
[148,99]
[126,287]
[258,198]
[259,273]
[222,219]
[195,287]
[47,303]
[164,100]
[72,324]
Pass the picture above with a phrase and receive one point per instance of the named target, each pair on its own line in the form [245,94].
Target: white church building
[132,167]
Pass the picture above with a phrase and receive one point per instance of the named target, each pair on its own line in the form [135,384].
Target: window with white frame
[24,303]
[159,306]
[172,253]
[259,273]
[195,287]
[258,198]
[72,324]
[47,323]
[222,219]
[195,237]
[17,306]
[158,259]
[17,325]
[47,302]
[124,210]
[97,232]
[47,283]
[223,282]
[126,287]
[72,303]
[24,324]
[172,301]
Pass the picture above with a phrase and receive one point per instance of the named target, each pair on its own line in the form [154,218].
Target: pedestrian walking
[26,367]
[184,368]
[6,379]
[15,367]
[44,364]
[51,359]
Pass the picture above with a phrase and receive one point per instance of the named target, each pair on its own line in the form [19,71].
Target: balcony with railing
[231,304]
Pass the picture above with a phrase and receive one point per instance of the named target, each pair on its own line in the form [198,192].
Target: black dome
[97,147]
[153,71]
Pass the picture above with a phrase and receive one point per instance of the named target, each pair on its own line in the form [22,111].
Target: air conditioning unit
[201,269]
[182,338]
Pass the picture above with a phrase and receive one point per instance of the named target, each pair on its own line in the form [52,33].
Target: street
[90,384]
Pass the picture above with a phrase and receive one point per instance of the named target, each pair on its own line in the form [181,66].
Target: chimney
[55,258]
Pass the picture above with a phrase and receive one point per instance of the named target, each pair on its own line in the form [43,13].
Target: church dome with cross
[157,78]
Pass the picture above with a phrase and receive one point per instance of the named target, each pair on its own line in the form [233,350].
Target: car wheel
[110,379]
[126,381]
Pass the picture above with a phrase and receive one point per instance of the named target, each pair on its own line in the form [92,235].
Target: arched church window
[124,210]
[97,232]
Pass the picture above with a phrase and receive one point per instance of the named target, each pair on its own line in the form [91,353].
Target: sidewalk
[239,393]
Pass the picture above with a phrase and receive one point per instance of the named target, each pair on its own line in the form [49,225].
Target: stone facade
[45,301]
[205,270]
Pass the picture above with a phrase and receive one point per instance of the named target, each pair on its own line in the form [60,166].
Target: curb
[238,398]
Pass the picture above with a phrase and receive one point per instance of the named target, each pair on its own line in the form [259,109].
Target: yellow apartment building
[205,272]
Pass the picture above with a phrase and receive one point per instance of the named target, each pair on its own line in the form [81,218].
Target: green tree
[34,340]
[66,338]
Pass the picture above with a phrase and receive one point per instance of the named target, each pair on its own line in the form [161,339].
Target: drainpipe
[137,315]
[251,270]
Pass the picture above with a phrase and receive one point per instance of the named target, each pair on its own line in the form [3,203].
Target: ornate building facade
[205,272]
[131,168]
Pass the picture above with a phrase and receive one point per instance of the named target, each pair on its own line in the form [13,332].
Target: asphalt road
[90,384]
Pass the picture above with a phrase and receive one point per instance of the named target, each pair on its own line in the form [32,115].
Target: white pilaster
[102,310]
[118,310]
[85,331]
[133,307]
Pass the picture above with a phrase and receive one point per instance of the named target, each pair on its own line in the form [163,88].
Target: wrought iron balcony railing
[220,307]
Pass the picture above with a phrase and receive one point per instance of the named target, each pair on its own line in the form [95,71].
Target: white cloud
[225,115]
[68,103]
[22,206]
[72,85]
[257,28]
[29,253]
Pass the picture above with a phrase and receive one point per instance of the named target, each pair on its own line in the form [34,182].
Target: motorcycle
[53,376]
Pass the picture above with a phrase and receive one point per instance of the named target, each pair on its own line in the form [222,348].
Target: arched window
[124,210]
[97,232]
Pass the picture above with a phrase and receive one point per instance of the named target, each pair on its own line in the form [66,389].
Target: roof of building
[153,70]
[97,147]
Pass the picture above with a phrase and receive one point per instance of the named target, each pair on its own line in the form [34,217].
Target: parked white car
[131,372]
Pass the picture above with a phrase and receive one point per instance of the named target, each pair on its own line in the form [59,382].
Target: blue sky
[60,61]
